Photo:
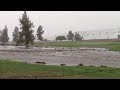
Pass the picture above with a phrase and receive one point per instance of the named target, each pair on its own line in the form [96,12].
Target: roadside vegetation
[21,70]
[113,46]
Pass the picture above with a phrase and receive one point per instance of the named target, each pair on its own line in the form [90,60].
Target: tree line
[70,37]
[25,36]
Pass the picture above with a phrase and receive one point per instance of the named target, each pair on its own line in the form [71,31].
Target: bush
[62,64]
[80,64]
[61,38]
[103,66]
[40,62]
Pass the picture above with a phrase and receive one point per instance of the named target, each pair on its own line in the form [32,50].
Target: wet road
[84,56]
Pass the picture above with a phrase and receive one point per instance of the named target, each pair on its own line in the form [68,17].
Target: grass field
[114,46]
[21,70]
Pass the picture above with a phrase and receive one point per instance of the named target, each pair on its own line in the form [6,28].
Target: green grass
[113,46]
[21,70]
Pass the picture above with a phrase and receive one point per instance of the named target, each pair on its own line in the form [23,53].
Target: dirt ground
[70,57]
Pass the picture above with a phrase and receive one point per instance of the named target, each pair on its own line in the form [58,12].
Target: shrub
[62,64]
[40,62]
[80,64]
[103,66]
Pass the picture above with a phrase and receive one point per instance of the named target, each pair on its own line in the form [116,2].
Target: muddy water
[57,56]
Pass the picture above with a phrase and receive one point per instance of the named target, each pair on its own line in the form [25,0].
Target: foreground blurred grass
[114,46]
[20,70]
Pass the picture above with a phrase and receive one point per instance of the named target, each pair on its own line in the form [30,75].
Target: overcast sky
[60,22]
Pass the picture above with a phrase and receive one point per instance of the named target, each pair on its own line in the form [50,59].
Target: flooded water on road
[57,56]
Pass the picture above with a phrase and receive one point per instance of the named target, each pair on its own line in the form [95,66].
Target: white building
[100,34]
